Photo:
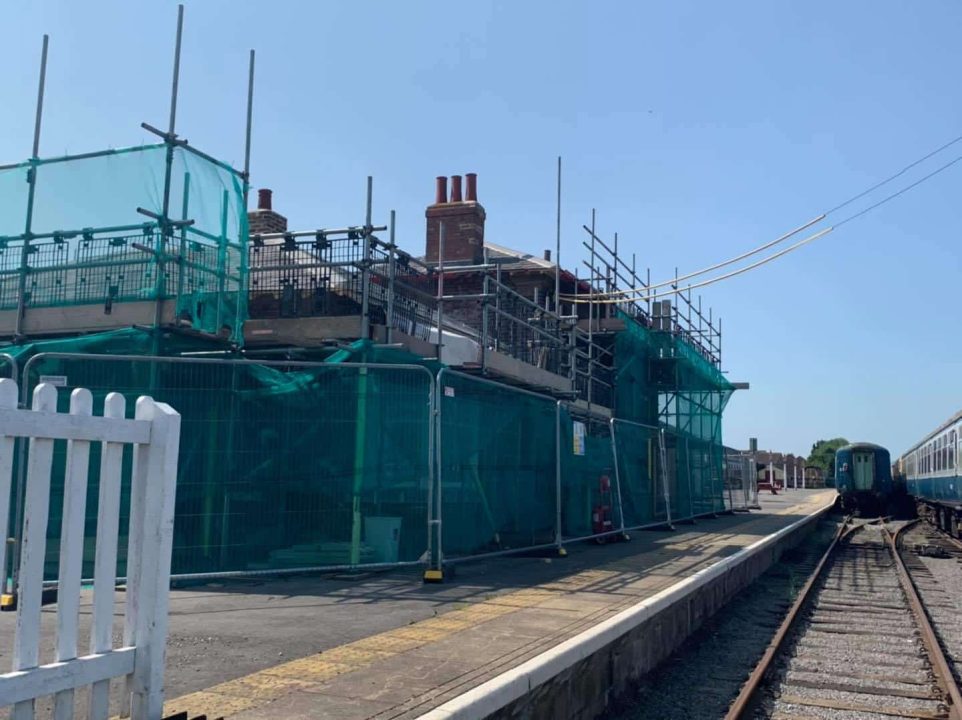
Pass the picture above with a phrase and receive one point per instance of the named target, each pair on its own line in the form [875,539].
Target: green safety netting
[90,245]
[663,380]
[496,467]
[640,472]
[280,466]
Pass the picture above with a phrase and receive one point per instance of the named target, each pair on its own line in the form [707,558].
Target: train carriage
[932,474]
[863,478]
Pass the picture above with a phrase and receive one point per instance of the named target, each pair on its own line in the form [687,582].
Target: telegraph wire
[635,292]
[899,174]
[607,299]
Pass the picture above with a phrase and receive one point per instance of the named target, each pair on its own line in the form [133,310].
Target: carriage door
[864,470]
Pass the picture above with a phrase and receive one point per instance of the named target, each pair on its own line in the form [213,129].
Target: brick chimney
[463,222]
[264,220]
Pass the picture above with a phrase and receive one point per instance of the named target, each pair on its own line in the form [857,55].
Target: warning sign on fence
[578,432]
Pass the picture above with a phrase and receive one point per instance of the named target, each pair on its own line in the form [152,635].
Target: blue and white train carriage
[933,476]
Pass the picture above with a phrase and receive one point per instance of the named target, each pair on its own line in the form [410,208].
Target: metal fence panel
[643,479]
[282,466]
[496,467]
[591,502]
[738,486]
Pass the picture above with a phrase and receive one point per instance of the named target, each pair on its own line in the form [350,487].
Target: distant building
[786,469]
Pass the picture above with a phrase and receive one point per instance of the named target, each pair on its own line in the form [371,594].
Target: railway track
[857,644]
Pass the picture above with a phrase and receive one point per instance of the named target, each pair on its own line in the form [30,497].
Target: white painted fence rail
[139,663]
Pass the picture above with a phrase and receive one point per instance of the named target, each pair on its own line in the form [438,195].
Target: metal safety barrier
[496,470]
[297,466]
[286,466]
[498,448]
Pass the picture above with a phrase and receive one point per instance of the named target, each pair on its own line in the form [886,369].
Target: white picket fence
[155,434]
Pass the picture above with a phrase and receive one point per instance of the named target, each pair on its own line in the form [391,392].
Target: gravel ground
[718,658]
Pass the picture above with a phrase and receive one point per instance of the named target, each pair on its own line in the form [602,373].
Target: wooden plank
[8,401]
[71,547]
[105,561]
[26,648]
[51,425]
[19,687]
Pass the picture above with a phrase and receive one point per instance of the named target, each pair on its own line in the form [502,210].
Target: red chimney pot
[441,190]
[471,194]
[455,188]
[264,199]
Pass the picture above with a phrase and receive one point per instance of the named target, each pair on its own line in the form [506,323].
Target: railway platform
[385,645]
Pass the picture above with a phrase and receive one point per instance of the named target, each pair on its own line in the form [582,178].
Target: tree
[823,454]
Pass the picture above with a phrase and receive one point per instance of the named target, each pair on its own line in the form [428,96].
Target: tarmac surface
[385,645]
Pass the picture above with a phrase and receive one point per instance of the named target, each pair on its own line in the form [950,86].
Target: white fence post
[26,647]
[105,561]
[71,547]
[151,536]
[155,435]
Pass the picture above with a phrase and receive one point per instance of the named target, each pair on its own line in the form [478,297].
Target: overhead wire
[635,293]
[722,264]
[761,248]
[607,299]
[897,175]
[582,299]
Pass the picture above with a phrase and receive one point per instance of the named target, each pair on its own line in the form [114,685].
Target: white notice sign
[578,429]
[55,380]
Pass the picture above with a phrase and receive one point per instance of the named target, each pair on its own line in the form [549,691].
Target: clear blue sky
[697,130]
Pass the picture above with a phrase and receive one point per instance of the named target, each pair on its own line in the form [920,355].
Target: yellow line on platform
[264,686]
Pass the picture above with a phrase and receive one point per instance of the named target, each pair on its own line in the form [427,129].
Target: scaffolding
[150,235]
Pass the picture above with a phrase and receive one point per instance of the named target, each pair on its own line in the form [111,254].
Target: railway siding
[935,562]
[848,652]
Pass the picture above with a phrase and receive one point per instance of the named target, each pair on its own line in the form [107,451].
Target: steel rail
[930,639]
[746,697]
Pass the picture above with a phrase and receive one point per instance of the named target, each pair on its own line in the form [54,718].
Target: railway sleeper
[785,710]
[864,702]
[893,688]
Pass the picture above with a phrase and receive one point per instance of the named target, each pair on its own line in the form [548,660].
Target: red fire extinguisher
[601,514]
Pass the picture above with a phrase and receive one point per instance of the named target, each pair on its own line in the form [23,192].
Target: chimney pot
[547,255]
[471,194]
[455,188]
[264,199]
[441,190]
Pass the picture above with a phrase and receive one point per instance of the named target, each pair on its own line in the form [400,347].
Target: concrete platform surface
[385,645]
